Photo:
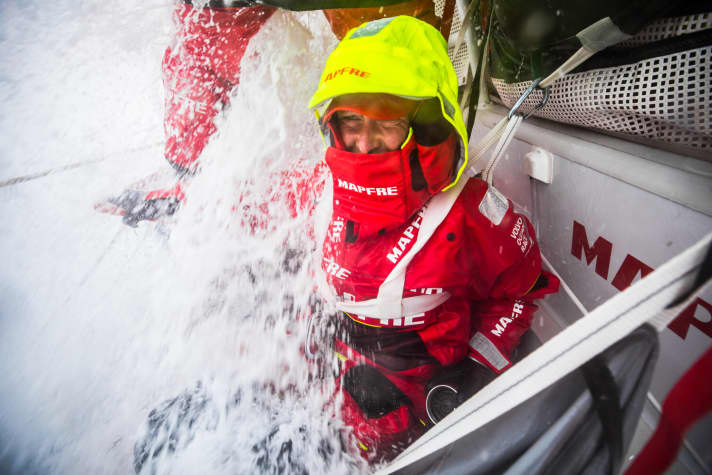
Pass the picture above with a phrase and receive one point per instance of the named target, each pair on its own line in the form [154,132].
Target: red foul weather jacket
[484,254]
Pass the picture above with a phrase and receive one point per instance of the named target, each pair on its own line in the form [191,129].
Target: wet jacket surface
[484,254]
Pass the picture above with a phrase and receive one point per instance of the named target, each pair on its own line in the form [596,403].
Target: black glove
[453,386]
[137,206]
[150,209]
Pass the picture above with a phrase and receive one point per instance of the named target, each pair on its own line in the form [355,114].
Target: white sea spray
[198,318]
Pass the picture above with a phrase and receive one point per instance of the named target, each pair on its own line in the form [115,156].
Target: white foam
[100,323]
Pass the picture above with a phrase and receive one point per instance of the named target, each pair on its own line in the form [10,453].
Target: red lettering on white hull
[630,269]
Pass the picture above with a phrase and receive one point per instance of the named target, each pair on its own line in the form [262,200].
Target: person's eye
[350,122]
[399,123]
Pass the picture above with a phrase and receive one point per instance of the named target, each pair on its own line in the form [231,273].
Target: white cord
[566,288]
[504,141]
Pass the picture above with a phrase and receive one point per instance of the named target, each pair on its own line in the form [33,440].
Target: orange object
[342,20]
[375,106]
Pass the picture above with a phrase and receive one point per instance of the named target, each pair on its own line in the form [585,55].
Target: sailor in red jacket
[201,70]
[433,272]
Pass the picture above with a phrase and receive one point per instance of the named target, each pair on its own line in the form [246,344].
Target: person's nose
[369,138]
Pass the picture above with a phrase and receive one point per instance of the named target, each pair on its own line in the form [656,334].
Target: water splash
[175,345]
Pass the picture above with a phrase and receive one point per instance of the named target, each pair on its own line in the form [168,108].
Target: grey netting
[461,61]
[665,98]
[669,28]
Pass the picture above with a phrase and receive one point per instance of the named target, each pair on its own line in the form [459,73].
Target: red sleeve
[510,280]
[303,186]
[297,189]
[446,339]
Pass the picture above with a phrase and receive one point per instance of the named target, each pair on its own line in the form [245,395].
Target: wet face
[361,134]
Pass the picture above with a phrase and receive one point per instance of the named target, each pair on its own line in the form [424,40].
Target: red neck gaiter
[382,191]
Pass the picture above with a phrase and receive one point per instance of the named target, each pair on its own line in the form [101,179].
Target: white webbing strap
[491,138]
[569,65]
[504,141]
[594,38]
[406,306]
[572,347]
